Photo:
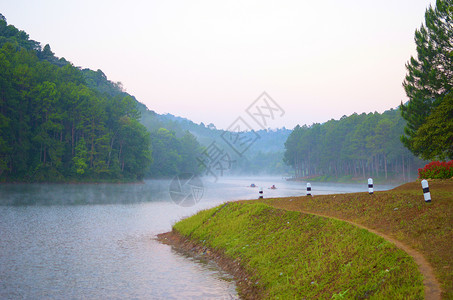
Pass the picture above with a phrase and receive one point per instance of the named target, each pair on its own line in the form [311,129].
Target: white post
[308,189]
[370,186]
[426,192]
[261,193]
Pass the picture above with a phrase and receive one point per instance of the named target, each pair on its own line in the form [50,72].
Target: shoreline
[245,288]
[319,179]
[435,273]
[71,182]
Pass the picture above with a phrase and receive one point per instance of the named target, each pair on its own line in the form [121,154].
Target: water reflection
[99,252]
[82,194]
[226,189]
[55,244]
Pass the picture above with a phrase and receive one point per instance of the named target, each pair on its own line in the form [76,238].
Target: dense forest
[55,127]
[263,157]
[174,148]
[358,146]
[369,145]
[61,123]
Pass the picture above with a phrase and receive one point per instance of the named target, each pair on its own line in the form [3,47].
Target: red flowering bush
[437,170]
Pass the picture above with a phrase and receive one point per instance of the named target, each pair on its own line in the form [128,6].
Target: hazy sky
[209,60]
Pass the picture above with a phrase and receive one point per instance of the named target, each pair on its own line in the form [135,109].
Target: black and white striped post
[370,186]
[308,189]
[260,193]
[426,192]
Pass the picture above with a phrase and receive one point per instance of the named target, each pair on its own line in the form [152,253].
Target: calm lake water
[96,241]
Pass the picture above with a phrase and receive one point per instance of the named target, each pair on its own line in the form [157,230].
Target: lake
[96,241]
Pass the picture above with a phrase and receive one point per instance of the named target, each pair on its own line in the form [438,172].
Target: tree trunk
[45,156]
[119,154]
[404,174]
[110,152]
[376,161]
[363,169]
[92,151]
[72,138]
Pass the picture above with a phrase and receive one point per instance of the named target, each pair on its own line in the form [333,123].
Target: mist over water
[92,241]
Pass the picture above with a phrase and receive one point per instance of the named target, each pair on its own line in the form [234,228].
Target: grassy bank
[350,179]
[400,213]
[289,254]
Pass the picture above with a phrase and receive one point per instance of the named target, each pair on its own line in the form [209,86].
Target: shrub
[437,170]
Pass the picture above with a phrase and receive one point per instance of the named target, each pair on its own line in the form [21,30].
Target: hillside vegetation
[62,123]
[290,255]
[264,156]
[54,127]
[400,213]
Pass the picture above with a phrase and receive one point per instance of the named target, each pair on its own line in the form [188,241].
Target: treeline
[61,123]
[174,155]
[54,127]
[263,157]
[174,149]
[358,146]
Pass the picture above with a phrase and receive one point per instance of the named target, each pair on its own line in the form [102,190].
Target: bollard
[370,186]
[426,192]
[308,189]
[261,193]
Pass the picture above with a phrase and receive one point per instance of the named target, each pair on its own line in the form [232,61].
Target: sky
[209,61]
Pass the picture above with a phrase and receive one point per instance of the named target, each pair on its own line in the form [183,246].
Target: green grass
[294,255]
[400,213]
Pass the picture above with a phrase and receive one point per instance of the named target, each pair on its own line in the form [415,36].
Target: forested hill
[55,126]
[271,140]
[59,122]
[358,146]
[263,156]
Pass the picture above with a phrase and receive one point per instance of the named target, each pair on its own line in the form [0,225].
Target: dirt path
[432,286]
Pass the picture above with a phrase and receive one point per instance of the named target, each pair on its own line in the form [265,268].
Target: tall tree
[430,75]
[435,137]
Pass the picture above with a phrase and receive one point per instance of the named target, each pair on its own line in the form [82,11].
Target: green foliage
[263,157]
[434,139]
[429,79]
[55,127]
[172,155]
[17,38]
[358,146]
[290,255]
[81,157]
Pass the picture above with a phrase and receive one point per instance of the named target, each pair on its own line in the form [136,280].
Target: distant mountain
[272,140]
[263,156]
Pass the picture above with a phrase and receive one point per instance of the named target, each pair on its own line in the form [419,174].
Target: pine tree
[430,75]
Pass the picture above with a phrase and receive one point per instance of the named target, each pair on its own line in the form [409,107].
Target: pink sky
[209,60]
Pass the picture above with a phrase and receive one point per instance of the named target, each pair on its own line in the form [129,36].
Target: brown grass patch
[400,213]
